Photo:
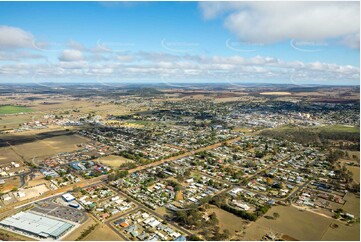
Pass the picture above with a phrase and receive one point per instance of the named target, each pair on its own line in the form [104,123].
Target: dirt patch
[113,160]
[276,93]
[31,192]
[352,204]
[301,225]
[103,233]
[228,220]
[10,183]
[76,233]
[342,232]
[355,172]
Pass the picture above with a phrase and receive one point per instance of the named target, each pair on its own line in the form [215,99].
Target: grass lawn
[9,109]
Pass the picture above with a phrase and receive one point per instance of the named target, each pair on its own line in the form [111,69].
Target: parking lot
[63,212]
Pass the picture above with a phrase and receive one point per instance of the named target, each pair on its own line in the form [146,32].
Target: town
[179,164]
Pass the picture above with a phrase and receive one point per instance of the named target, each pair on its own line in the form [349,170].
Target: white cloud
[71,55]
[268,22]
[12,38]
[72,44]
[151,66]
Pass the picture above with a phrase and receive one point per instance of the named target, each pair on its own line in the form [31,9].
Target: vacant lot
[10,236]
[103,233]
[33,192]
[342,233]
[10,183]
[9,109]
[113,160]
[352,204]
[355,172]
[7,155]
[301,225]
[77,232]
[228,220]
[37,179]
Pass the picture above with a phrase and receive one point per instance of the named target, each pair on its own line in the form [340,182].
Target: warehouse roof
[36,224]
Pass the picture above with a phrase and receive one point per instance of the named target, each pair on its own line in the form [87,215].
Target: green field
[8,109]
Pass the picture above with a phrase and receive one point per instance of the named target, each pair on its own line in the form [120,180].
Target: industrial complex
[36,225]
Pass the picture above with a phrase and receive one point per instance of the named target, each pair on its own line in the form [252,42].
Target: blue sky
[179,41]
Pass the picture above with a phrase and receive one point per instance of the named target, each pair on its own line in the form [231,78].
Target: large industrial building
[37,225]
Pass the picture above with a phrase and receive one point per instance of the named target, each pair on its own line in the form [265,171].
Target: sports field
[113,160]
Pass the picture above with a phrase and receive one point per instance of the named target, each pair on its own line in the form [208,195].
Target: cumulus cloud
[268,22]
[71,55]
[12,38]
[150,66]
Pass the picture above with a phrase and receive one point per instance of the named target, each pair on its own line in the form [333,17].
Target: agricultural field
[49,146]
[7,155]
[13,121]
[352,204]
[9,109]
[113,160]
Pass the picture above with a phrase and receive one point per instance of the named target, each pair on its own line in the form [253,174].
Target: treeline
[315,136]
[117,175]
[86,232]
[220,202]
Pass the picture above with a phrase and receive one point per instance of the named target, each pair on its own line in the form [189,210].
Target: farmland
[49,146]
[8,109]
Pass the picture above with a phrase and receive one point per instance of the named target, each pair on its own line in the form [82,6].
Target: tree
[276,215]
[76,189]
[194,237]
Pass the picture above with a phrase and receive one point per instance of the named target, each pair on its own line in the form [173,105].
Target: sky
[171,42]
